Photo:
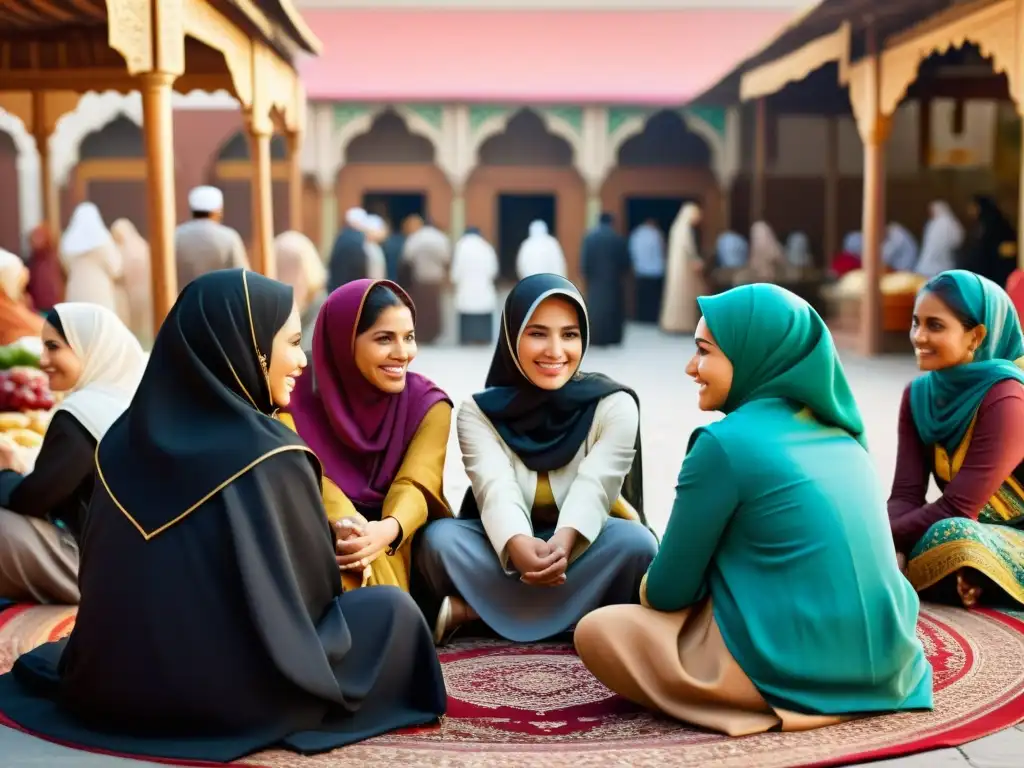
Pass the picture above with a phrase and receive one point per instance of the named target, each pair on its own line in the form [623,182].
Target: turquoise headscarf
[780,347]
[944,402]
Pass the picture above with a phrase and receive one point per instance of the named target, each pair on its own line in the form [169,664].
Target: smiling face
[384,350]
[551,345]
[59,361]
[940,338]
[710,369]
[286,360]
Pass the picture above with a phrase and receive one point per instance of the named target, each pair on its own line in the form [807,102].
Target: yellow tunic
[414,497]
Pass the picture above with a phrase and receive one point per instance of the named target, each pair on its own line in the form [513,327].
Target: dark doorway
[515,214]
[394,207]
[662,209]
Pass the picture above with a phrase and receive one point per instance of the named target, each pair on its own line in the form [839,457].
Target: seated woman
[547,450]
[775,600]
[961,422]
[17,320]
[212,622]
[380,431]
[89,354]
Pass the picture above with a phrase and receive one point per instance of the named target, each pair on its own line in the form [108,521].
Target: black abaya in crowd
[212,622]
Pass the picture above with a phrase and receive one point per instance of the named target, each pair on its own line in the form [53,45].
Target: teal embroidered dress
[963,425]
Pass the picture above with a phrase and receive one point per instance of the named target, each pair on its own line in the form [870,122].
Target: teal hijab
[944,402]
[780,347]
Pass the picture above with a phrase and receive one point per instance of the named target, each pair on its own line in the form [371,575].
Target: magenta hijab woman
[380,430]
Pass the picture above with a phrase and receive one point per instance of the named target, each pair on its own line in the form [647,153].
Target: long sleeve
[416,489]
[503,510]
[706,499]
[65,461]
[995,451]
[602,471]
[910,480]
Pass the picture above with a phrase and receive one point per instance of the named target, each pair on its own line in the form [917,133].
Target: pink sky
[574,57]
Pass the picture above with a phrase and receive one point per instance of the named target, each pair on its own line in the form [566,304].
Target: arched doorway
[526,173]
[657,171]
[111,172]
[391,171]
[10,221]
[232,173]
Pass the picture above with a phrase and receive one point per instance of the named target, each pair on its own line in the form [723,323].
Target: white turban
[205,200]
[86,232]
[375,223]
[538,228]
[356,217]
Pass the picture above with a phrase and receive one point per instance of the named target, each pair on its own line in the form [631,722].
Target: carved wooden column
[42,128]
[757,192]
[873,228]
[295,198]
[158,132]
[262,257]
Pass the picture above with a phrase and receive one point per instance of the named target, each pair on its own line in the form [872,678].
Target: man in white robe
[540,253]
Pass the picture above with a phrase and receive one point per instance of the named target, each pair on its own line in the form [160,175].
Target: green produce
[18,355]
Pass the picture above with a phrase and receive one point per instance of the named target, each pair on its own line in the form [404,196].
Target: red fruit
[20,376]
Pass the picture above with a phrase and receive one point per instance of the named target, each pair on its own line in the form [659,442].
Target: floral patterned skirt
[997,551]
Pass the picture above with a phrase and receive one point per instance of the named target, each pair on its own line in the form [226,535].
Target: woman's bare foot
[453,614]
[969,591]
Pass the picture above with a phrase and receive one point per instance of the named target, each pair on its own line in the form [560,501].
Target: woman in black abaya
[212,623]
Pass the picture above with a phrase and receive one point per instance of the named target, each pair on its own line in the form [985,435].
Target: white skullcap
[86,232]
[356,217]
[375,223]
[538,228]
[205,200]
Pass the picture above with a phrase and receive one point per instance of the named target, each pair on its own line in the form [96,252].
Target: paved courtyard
[655,366]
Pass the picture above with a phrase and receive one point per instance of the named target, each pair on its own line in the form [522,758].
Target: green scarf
[780,347]
[944,402]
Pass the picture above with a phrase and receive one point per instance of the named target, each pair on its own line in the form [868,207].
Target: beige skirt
[677,663]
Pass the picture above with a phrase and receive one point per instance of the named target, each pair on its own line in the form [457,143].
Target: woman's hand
[538,563]
[361,546]
[11,457]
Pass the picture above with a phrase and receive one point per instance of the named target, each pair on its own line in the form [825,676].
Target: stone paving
[655,366]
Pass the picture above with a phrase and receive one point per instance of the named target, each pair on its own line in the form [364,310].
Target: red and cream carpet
[538,706]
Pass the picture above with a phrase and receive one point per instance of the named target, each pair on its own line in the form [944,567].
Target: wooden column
[41,131]
[757,192]
[874,128]
[873,227]
[295,219]
[328,217]
[830,245]
[457,227]
[158,132]
[262,200]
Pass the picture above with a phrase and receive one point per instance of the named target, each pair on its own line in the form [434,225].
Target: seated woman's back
[776,593]
[805,558]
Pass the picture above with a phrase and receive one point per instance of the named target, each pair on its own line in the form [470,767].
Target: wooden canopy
[868,56]
[52,52]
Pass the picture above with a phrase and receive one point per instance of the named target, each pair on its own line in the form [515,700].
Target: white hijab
[112,365]
[540,252]
[13,275]
[86,233]
[943,235]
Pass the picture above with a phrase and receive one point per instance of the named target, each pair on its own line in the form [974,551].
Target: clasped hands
[359,542]
[542,563]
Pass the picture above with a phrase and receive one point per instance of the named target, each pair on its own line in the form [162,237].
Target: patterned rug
[537,706]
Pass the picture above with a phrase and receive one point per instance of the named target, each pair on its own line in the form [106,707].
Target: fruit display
[25,389]
[22,353]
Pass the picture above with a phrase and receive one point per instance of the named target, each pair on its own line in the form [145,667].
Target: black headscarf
[202,415]
[545,428]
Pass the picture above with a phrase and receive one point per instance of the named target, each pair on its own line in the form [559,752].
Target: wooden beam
[775,75]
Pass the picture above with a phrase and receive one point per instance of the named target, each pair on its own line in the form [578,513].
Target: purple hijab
[359,432]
